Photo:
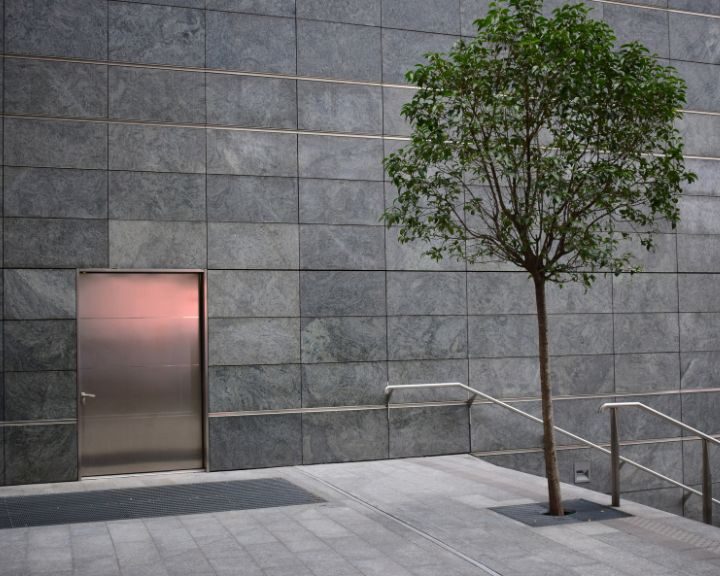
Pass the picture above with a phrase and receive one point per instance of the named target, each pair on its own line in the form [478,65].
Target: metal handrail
[706,493]
[390,388]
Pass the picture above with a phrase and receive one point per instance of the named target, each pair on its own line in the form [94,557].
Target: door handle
[85,395]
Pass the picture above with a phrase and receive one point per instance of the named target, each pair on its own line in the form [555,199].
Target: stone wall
[246,137]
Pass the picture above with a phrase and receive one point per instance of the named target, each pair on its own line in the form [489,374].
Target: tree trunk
[551,467]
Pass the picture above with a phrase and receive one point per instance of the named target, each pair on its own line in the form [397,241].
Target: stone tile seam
[195,69]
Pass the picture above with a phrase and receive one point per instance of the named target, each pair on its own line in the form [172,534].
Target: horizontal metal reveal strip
[573,447]
[334,409]
[206,126]
[17,423]
[201,70]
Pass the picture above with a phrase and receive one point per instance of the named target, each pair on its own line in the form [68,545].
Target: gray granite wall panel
[253,293]
[700,370]
[500,293]
[701,135]
[366,12]
[154,244]
[329,107]
[55,144]
[340,157]
[441,16]
[646,333]
[156,95]
[699,332]
[701,80]
[263,7]
[75,29]
[341,247]
[156,196]
[251,153]
[471,10]
[428,431]
[698,253]
[431,293]
[250,43]
[255,441]
[156,148]
[255,246]
[343,51]
[650,27]
[260,387]
[32,345]
[40,395]
[343,384]
[699,292]
[647,372]
[703,6]
[40,454]
[251,101]
[708,177]
[402,50]
[32,294]
[149,34]
[662,258]
[55,193]
[694,38]
[419,371]
[501,336]
[242,341]
[47,243]
[181,3]
[700,410]
[340,201]
[645,293]
[699,215]
[346,339]
[412,255]
[393,101]
[427,337]
[344,436]
[55,88]
[251,199]
[342,293]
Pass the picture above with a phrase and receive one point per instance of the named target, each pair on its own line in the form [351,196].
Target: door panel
[139,354]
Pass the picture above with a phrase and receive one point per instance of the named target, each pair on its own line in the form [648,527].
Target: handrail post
[614,457]
[706,484]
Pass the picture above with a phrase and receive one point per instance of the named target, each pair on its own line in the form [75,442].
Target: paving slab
[410,517]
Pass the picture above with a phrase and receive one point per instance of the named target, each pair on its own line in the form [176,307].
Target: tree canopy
[540,143]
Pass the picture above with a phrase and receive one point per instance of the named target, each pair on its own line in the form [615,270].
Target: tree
[542,144]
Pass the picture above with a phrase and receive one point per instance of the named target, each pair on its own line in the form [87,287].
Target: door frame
[202,273]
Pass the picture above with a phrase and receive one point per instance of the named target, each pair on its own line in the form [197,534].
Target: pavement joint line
[447,547]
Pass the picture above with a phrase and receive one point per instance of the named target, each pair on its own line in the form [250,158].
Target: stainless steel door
[139,372]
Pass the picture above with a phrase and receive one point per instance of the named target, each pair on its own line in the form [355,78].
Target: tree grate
[149,502]
[580,510]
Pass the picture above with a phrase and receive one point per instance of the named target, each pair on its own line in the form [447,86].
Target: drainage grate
[583,511]
[148,502]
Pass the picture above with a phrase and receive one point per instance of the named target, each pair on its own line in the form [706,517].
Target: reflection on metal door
[139,372]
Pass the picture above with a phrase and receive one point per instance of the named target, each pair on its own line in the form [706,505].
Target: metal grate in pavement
[148,502]
[535,514]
